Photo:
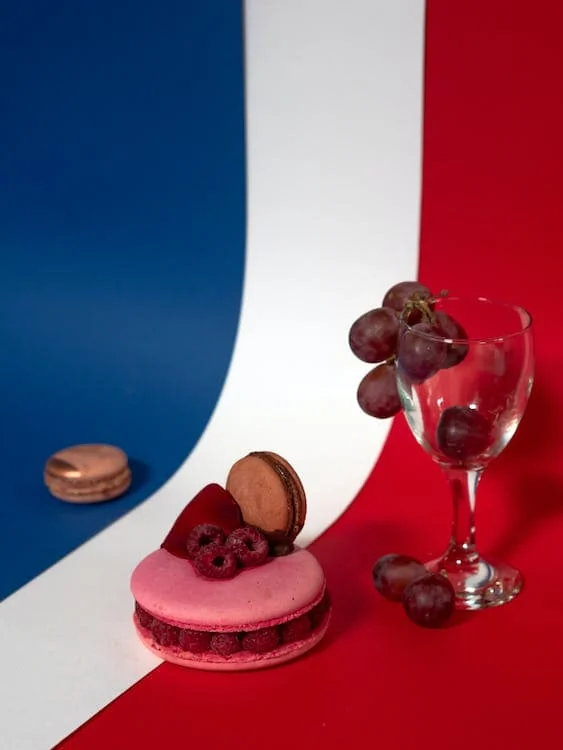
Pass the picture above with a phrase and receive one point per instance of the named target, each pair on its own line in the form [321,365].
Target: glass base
[478,584]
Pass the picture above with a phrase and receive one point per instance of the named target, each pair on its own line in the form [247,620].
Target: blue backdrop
[122,231]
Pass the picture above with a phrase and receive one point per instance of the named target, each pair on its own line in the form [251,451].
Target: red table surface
[492,223]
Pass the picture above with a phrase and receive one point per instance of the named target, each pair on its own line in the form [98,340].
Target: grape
[463,433]
[377,393]
[421,356]
[391,573]
[407,291]
[373,337]
[429,600]
[449,328]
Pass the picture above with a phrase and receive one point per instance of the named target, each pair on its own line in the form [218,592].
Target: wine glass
[463,397]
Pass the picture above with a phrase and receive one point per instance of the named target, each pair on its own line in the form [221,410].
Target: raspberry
[143,616]
[195,641]
[317,614]
[296,630]
[225,644]
[202,536]
[249,545]
[216,561]
[164,634]
[261,641]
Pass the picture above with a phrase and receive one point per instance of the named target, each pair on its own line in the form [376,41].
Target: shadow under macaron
[140,475]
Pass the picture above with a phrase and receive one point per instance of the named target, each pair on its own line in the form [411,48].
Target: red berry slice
[213,505]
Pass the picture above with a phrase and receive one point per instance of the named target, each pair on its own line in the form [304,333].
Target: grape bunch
[427,598]
[407,310]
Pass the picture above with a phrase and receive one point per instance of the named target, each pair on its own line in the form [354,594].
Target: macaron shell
[169,588]
[98,492]
[241,661]
[87,462]
[300,497]
[268,492]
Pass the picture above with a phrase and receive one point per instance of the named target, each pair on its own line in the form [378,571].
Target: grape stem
[425,306]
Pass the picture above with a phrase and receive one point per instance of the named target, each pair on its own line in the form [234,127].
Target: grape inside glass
[463,398]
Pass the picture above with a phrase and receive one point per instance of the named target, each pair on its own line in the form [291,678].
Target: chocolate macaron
[87,473]
[269,493]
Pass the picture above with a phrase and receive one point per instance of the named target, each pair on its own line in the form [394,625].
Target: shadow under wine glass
[465,373]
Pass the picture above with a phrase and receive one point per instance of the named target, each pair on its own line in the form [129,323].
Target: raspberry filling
[260,641]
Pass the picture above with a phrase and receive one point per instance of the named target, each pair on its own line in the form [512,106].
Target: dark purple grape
[279,543]
[406,291]
[449,328]
[429,600]
[377,393]
[421,356]
[463,433]
[391,573]
[373,336]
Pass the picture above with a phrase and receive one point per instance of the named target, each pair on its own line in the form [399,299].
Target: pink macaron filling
[235,644]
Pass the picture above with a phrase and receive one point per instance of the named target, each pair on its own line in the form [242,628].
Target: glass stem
[463,482]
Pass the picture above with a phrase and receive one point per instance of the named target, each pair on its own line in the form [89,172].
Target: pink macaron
[223,595]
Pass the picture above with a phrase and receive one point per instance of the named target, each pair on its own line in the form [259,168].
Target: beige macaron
[269,493]
[89,473]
